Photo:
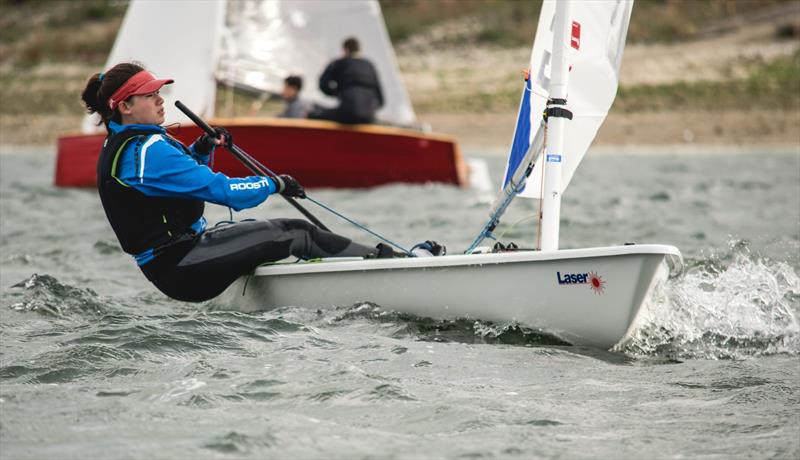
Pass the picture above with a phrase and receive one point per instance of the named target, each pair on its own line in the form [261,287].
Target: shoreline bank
[635,149]
[489,132]
[716,130]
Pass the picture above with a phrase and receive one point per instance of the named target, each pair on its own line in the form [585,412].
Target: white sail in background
[254,43]
[173,39]
[271,39]
[598,36]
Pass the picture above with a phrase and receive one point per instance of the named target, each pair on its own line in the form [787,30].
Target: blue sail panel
[522,135]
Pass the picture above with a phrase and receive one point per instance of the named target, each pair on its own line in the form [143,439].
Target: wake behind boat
[588,296]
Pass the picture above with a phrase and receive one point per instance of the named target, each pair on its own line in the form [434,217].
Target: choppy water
[95,363]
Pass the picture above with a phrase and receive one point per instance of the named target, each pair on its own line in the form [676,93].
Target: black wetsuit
[206,264]
[355,83]
[167,234]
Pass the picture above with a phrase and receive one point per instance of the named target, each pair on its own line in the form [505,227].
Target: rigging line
[494,219]
[540,94]
[336,213]
[514,224]
[361,226]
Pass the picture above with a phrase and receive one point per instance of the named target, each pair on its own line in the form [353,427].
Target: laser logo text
[594,280]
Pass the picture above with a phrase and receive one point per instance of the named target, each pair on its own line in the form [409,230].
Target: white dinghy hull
[585,296]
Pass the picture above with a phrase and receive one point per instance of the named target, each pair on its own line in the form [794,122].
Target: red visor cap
[142,83]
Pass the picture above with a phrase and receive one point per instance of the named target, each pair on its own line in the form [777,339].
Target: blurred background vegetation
[509,22]
[37,31]
[49,47]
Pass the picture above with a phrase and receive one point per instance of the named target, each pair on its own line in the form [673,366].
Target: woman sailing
[154,188]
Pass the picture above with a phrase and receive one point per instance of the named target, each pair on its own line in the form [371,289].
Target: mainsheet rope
[337,213]
[262,170]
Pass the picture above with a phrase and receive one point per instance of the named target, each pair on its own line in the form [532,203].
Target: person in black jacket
[354,81]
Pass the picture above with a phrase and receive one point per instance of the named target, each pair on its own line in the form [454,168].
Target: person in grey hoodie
[294,108]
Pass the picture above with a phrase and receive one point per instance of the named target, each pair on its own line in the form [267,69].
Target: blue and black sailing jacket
[154,189]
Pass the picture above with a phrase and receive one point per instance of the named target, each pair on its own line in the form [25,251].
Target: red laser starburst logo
[596,283]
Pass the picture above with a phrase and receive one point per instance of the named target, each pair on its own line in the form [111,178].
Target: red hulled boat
[317,153]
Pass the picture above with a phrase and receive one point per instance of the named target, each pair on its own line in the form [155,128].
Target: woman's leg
[227,252]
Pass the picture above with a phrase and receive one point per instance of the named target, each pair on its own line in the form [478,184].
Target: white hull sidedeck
[585,296]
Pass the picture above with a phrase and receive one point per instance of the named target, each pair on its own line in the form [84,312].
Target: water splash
[44,294]
[732,306]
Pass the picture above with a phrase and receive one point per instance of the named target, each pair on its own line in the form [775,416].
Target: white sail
[597,39]
[173,39]
[256,43]
[271,39]
[594,45]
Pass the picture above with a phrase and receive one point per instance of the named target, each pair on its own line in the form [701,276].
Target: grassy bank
[513,22]
[36,32]
[458,57]
[33,32]
[55,88]
[770,84]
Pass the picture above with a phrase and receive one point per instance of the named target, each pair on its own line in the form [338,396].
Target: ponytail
[101,86]
[90,97]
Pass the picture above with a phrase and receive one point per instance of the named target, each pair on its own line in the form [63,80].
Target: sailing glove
[205,143]
[288,186]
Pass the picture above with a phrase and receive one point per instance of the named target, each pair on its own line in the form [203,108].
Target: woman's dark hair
[100,87]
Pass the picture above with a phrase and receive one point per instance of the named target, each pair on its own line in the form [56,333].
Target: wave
[732,305]
[45,295]
[370,318]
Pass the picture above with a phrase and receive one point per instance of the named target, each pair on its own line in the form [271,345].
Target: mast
[556,123]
